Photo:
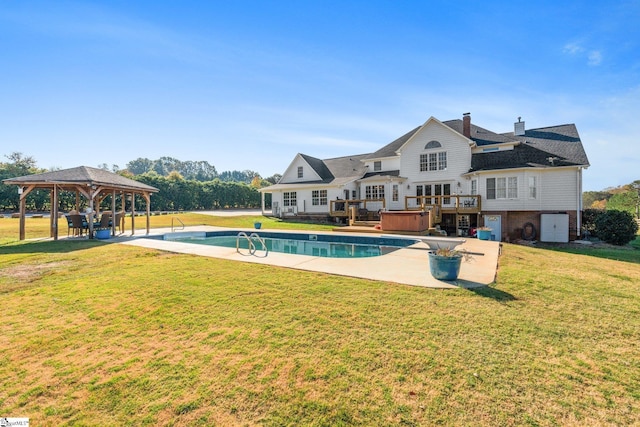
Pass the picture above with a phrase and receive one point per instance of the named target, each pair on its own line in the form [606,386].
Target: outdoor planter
[257,225]
[445,267]
[103,234]
[484,234]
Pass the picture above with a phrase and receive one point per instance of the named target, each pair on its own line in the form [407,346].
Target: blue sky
[248,84]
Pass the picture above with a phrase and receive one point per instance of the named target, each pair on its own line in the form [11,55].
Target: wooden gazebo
[92,183]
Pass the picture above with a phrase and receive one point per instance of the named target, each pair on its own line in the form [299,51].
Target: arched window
[432,144]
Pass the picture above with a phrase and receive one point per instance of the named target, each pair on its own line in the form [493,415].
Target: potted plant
[445,263]
[484,233]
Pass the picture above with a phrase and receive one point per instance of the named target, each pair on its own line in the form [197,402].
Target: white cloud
[573,48]
[595,57]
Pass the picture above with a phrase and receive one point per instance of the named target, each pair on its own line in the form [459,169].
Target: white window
[289,199]
[512,187]
[474,187]
[394,192]
[377,166]
[374,192]
[433,161]
[424,162]
[300,172]
[533,187]
[442,161]
[491,188]
[502,188]
[319,197]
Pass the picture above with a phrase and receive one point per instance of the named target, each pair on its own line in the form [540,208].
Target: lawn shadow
[49,246]
[483,290]
[493,293]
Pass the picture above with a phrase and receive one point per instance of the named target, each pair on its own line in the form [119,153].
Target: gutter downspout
[579,204]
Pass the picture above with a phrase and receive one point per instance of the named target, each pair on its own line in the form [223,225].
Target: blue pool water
[322,245]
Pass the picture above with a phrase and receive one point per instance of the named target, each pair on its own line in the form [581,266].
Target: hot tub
[404,220]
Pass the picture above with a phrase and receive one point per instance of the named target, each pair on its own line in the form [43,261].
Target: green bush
[589,220]
[616,227]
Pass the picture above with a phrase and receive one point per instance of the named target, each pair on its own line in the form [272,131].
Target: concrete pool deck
[408,266]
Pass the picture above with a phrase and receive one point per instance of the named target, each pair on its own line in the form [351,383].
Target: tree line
[192,170]
[201,189]
[624,198]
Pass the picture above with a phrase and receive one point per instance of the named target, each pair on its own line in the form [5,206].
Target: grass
[95,333]
[629,253]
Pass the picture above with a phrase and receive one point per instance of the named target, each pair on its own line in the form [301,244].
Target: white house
[522,183]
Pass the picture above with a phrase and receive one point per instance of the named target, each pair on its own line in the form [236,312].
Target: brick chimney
[466,125]
[518,128]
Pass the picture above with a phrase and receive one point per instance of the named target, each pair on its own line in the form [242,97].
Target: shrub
[616,227]
[589,217]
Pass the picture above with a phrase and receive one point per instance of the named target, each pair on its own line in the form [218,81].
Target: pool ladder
[251,239]
[177,219]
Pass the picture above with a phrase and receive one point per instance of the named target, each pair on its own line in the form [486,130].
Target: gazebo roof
[82,175]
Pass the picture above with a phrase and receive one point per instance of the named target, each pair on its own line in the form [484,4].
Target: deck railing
[340,208]
[457,203]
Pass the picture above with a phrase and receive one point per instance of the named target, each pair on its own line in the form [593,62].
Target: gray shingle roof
[390,149]
[537,145]
[348,166]
[480,136]
[319,167]
[82,175]
[542,147]
[338,169]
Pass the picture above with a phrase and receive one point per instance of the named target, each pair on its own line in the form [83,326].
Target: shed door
[494,222]
[554,228]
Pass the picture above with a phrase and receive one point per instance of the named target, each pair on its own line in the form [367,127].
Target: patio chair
[77,223]
[69,224]
[363,214]
[105,221]
[120,221]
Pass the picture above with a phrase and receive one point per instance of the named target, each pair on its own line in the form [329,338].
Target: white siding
[388,164]
[457,149]
[304,199]
[556,190]
[291,174]
[559,188]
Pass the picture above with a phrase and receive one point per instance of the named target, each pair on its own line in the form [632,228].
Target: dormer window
[377,166]
[300,172]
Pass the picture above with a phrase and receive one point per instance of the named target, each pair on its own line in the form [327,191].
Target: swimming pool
[319,245]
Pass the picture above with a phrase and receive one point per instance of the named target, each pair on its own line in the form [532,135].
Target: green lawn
[96,333]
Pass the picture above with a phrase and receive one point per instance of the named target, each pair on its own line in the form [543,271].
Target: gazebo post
[54,212]
[133,213]
[123,202]
[90,219]
[51,202]
[147,198]
[23,207]
[23,191]
[113,213]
